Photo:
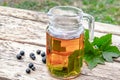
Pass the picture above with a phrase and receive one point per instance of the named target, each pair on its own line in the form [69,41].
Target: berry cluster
[33,57]
[31,66]
[19,56]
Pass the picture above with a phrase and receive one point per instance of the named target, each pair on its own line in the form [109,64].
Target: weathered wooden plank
[22,30]
[26,14]
[31,31]
[15,69]
[27,32]
[107,28]
[42,17]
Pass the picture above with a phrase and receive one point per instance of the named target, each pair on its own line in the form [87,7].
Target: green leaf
[74,61]
[57,46]
[110,52]
[92,61]
[103,41]
[109,55]
[100,50]
[92,56]
[60,73]
[88,47]
[112,49]
[81,61]
[86,34]
[71,63]
[77,64]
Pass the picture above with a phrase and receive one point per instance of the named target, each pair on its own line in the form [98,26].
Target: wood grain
[25,30]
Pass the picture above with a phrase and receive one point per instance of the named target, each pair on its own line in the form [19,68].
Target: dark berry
[43,54]
[44,60]
[28,71]
[33,57]
[32,54]
[18,56]
[22,53]
[30,65]
[33,68]
[38,51]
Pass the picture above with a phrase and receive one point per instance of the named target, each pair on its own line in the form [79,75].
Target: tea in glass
[64,56]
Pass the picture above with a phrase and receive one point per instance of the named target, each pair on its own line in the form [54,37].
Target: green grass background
[106,11]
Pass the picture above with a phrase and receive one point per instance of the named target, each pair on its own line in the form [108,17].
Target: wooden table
[25,30]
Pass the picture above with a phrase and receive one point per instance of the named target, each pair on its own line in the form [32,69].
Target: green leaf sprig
[100,50]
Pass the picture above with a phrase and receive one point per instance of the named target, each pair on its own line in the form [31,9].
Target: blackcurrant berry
[18,56]
[22,53]
[32,54]
[38,51]
[30,65]
[28,71]
[43,54]
[33,57]
[44,60]
[33,68]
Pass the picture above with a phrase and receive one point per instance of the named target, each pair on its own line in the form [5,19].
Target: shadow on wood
[3,78]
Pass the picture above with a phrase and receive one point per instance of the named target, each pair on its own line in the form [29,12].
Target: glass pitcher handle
[90,20]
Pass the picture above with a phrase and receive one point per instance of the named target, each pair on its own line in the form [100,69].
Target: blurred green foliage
[43,6]
[32,5]
[107,11]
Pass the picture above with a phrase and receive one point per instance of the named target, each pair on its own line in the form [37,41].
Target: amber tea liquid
[61,61]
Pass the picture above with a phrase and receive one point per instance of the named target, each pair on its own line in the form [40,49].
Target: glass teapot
[65,40]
